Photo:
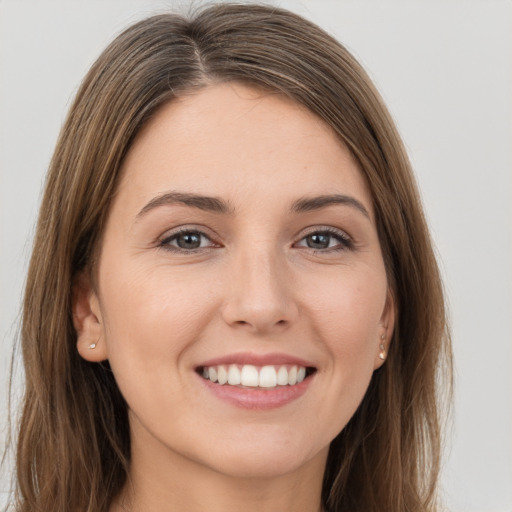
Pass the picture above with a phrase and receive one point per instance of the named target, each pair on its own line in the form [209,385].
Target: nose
[260,297]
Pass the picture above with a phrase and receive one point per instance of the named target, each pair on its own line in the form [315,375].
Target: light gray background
[445,70]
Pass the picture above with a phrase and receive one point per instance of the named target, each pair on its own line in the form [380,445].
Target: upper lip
[273,359]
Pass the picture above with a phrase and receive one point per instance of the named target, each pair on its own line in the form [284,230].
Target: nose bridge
[261,294]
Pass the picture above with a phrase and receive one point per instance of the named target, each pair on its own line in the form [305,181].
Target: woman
[232,301]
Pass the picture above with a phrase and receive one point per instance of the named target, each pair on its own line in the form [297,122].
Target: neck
[160,480]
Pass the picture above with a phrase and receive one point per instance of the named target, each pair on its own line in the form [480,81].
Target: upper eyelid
[193,228]
[164,242]
[324,229]
[346,242]
[176,234]
[213,237]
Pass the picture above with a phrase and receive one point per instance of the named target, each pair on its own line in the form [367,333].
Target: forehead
[237,141]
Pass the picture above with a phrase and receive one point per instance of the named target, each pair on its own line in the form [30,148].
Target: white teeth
[282,376]
[292,376]
[212,373]
[233,375]
[268,377]
[253,376]
[222,374]
[249,375]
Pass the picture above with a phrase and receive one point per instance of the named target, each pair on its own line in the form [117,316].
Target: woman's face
[241,292]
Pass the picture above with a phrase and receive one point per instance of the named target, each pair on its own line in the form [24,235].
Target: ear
[88,321]
[385,333]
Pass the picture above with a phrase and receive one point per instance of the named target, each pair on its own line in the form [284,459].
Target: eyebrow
[209,204]
[308,204]
[217,205]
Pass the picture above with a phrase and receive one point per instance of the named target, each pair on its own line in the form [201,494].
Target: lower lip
[258,398]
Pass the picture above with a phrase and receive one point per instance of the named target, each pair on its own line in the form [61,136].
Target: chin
[266,456]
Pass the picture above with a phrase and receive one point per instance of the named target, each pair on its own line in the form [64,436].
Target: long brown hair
[73,444]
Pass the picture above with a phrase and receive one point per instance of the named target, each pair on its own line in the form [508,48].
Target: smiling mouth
[251,376]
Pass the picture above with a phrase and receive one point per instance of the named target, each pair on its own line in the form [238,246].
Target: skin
[254,285]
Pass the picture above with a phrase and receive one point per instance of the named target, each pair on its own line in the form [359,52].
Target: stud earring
[92,346]
[382,353]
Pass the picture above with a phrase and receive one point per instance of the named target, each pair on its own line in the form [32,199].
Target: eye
[187,240]
[326,239]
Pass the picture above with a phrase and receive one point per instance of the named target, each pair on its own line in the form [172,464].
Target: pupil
[189,241]
[318,241]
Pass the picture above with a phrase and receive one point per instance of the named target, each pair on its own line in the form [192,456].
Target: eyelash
[345,242]
[166,242]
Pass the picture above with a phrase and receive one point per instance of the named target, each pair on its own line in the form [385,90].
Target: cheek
[346,321]
[152,319]
[151,316]
[346,312]
[349,307]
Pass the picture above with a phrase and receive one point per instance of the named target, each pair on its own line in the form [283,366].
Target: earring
[92,346]
[382,353]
